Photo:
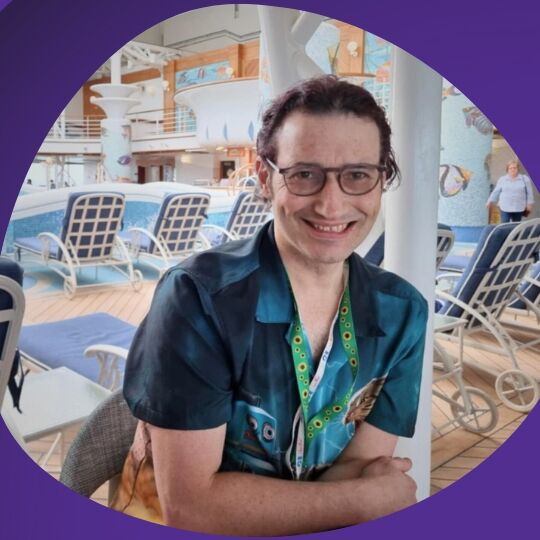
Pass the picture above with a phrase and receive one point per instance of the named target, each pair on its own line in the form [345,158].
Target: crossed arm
[364,483]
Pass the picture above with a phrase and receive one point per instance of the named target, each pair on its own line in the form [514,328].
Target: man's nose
[331,198]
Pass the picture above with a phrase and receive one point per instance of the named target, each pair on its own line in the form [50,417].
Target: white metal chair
[248,215]
[500,262]
[50,401]
[89,238]
[445,241]
[175,234]
[12,305]
[527,297]
[471,408]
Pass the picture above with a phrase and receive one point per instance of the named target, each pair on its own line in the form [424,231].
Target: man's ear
[264,178]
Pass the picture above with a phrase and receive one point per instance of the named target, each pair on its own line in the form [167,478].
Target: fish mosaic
[474,117]
[124,160]
[453,179]
[450,91]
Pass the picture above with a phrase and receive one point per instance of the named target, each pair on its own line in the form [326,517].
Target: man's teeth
[330,228]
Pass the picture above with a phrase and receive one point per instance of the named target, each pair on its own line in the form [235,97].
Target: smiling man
[273,375]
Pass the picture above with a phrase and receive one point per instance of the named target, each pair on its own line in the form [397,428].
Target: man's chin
[328,258]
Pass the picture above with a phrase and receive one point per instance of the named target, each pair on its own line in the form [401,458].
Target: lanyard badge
[315,425]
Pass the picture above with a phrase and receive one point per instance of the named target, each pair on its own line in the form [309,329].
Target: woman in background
[513,193]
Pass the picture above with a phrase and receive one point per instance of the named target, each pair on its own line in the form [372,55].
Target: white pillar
[411,220]
[285,33]
[116,67]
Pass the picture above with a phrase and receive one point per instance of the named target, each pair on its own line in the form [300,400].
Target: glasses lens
[359,179]
[304,180]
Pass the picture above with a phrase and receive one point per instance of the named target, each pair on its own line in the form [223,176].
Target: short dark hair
[327,94]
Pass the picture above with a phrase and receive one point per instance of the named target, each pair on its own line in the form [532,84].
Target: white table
[52,401]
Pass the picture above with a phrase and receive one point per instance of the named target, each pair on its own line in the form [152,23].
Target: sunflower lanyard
[315,425]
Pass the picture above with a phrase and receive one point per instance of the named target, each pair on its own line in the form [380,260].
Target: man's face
[324,228]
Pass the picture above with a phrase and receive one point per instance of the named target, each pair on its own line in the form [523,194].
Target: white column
[116,67]
[411,219]
[286,33]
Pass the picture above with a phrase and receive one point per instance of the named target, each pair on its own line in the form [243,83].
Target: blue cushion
[455,263]
[375,255]
[62,343]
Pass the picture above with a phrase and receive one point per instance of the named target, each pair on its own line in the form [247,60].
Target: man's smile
[331,228]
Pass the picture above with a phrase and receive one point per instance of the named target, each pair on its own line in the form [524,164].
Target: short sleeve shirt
[215,348]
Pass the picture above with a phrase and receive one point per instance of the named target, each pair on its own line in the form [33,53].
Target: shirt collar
[362,292]
[275,304]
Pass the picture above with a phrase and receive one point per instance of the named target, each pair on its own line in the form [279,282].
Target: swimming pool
[39,212]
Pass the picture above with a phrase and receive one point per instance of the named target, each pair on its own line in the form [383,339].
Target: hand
[488,204]
[393,489]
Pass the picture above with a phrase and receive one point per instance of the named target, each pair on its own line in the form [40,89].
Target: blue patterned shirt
[215,349]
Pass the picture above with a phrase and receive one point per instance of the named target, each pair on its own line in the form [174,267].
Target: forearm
[246,504]
[495,194]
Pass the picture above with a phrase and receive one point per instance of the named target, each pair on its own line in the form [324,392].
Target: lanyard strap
[315,425]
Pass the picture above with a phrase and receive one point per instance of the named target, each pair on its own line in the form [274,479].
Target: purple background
[487,49]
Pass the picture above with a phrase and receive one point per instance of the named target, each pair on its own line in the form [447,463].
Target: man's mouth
[336,228]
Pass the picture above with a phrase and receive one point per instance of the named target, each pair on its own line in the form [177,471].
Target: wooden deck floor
[455,451]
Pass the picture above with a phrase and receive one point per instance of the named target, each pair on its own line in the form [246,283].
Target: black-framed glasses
[304,179]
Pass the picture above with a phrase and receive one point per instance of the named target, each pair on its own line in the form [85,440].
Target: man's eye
[303,174]
[358,174]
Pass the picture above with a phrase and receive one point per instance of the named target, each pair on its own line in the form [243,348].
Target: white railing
[144,124]
[162,122]
[85,128]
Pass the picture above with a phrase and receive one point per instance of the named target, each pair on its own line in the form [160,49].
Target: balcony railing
[144,124]
[86,128]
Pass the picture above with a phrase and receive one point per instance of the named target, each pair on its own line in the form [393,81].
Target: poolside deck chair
[49,402]
[500,262]
[76,343]
[99,450]
[248,215]
[12,304]
[445,241]
[89,238]
[175,234]
[471,407]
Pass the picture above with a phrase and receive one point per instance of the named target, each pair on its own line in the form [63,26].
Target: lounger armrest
[136,234]
[137,231]
[468,309]
[46,239]
[217,228]
[447,277]
[109,358]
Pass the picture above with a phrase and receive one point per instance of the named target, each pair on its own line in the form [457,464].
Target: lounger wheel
[483,416]
[137,280]
[517,390]
[69,287]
